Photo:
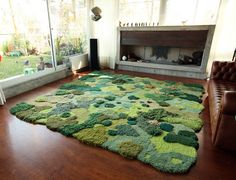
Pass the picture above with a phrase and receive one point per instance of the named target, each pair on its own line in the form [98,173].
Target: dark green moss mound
[33,114]
[174,138]
[110,98]
[109,105]
[132,119]
[61,92]
[112,132]
[20,107]
[129,149]
[88,77]
[97,118]
[71,118]
[180,94]
[26,115]
[160,99]
[151,129]
[126,130]
[164,104]
[96,105]
[166,127]
[80,86]
[191,97]
[146,81]
[156,114]
[94,118]
[188,134]
[199,86]
[94,136]
[170,83]
[69,130]
[106,123]
[132,97]
[123,115]
[77,92]
[121,88]
[132,122]
[119,81]
[100,101]
[70,86]
[65,115]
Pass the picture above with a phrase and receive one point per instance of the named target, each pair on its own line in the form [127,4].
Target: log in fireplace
[169,50]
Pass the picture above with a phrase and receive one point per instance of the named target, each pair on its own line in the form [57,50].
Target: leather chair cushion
[225,71]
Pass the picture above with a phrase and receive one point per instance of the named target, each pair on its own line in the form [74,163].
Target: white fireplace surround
[189,71]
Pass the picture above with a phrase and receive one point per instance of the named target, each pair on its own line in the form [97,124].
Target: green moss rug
[139,118]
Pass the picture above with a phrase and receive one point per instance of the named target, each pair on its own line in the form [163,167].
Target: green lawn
[12,66]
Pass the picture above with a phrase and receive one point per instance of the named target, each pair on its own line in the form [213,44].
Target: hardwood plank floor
[30,151]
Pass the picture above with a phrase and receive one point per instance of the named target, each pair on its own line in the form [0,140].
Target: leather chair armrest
[228,103]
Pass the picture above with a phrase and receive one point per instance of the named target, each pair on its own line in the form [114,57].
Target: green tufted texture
[139,118]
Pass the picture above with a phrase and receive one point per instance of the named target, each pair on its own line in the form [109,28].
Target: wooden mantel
[198,36]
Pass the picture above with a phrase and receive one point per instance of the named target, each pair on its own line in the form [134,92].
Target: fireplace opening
[162,55]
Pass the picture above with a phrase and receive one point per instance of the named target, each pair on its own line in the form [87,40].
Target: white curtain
[224,41]
[2,97]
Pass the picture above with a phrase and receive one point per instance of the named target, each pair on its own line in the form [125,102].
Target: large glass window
[25,41]
[24,37]
[136,11]
[69,27]
[169,12]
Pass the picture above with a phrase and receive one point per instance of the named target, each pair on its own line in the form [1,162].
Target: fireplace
[169,50]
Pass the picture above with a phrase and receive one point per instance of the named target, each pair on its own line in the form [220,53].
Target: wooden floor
[34,152]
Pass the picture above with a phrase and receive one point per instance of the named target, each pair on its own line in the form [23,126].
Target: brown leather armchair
[222,104]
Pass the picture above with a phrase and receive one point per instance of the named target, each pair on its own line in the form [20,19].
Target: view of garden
[25,42]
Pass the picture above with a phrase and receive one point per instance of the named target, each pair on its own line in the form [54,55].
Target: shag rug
[139,118]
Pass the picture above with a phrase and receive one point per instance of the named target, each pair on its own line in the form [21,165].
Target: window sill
[12,81]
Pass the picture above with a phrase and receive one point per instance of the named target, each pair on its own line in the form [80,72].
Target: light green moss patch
[95,136]
[193,123]
[129,149]
[164,147]
[176,161]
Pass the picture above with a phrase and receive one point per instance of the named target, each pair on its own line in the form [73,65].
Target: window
[68,26]
[24,37]
[133,11]
[25,41]
[169,12]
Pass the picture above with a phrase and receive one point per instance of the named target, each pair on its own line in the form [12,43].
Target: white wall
[223,45]
[224,40]
[105,31]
